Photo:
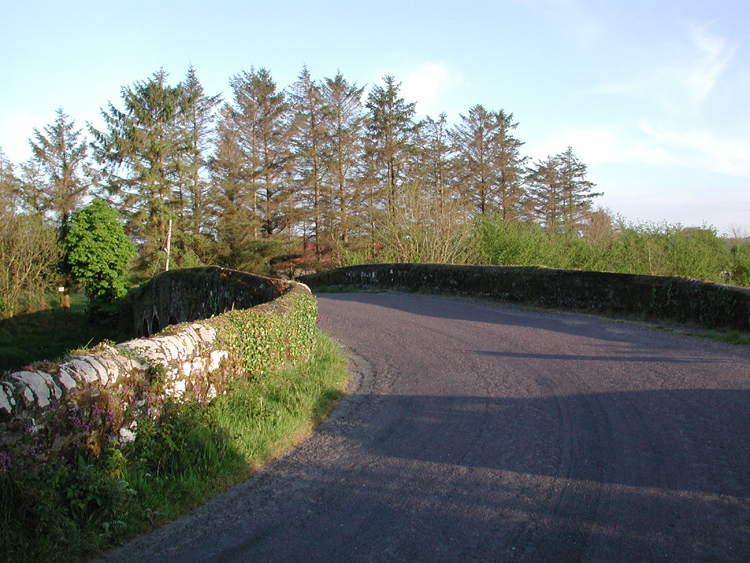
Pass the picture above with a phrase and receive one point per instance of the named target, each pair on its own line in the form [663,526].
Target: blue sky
[653,96]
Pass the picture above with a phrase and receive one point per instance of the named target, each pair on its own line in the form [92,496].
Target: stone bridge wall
[679,299]
[190,294]
[110,386]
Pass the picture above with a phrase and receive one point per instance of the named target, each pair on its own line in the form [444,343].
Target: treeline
[320,161]
[276,181]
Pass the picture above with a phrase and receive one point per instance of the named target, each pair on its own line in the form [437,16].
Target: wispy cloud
[695,148]
[682,76]
[659,144]
[713,59]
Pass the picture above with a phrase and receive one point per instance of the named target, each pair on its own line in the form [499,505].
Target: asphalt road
[480,432]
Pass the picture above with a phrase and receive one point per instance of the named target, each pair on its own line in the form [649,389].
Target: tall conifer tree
[262,115]
[59,155]
[390,138]
[346,118]
[198,115]
[140,152]
[310,138]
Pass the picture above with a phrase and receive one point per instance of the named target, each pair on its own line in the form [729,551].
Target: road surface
[475,431]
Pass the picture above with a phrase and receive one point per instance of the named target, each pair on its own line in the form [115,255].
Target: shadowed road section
[481,432]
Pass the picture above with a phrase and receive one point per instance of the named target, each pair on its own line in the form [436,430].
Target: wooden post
[169,242]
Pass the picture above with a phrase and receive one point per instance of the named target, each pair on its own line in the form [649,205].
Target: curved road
[482,432]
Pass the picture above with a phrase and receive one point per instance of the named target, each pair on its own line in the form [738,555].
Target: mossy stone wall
[191,294]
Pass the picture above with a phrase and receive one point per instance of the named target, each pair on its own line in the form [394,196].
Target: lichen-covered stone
[6,400]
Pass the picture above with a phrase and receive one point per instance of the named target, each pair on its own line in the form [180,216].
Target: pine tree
[140,153]
[262,116]
[490,161]
[437,154]
[198,116]
[390,139]
[545,197]
[310,137]
[559,195]
[473,139]
[59,156]
[233,192]
[576,190]
[345,127]
[509,168]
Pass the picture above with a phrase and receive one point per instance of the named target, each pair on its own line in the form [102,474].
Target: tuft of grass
[71,509]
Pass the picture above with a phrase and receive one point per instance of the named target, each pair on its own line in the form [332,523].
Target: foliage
[60,155]
[647,248]
[261,340]
[74,508]
[29,254]
[140,157]
[254,181]
[99,253]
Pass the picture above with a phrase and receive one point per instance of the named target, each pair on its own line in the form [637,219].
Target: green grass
[50,334]
[69,511]
[733,337]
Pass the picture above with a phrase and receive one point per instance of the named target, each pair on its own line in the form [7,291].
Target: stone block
[85,370]
[37,384]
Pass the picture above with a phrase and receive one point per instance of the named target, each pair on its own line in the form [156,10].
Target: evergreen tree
[437,154]
[390,139]
[262,116]
[233,192]
[510,166]
[310,142]
[198,117]
[140,152]
[576,190]
[345,127]
[559,195]
[490,161]
[59,155]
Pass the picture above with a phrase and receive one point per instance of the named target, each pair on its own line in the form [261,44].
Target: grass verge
[71,509]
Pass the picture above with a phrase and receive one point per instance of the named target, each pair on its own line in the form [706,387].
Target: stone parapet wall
[113,385]
[670,298]
[189,294]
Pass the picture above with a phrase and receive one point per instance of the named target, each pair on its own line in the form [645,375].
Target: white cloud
[714,58]
[424,86]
